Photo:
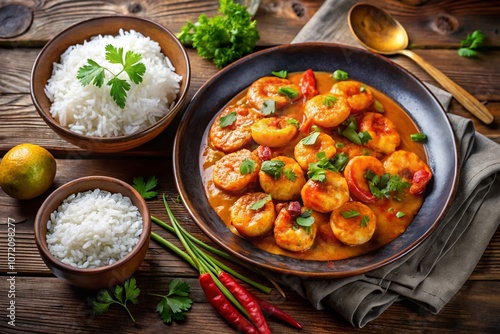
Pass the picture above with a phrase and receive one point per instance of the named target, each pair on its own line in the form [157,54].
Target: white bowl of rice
[87,115]
[93,232]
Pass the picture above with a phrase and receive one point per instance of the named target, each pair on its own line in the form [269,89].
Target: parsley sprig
[145,187]
[222,38]
[174,305]
[95,73]
[469,45]
[128,292]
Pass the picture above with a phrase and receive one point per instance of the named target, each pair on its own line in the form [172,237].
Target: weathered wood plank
[437,24]
[54,16]
[55,307]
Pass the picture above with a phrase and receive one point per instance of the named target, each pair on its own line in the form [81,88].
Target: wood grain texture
[46,304]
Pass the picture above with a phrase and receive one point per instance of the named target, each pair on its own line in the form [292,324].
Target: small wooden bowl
[101,277]
[108,25]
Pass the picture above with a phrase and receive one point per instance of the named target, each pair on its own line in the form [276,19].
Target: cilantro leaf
[305,220]
[311,139]
[91,73]
[119,90]
[268,107]
[260,203]
[290,174]
[228,120]
[316,170]
[104,299]
[145,188]
[247,166]
[95,73]
[385,185]
[273,168]
[176,303]
[470,43]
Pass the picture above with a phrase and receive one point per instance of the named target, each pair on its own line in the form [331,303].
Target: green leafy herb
[362,89]
[400,214]
[311,139]
[350,132]
[364,137]
[145,187]
[95,73]
[316,170]
[260,203]
[305,220]
[339,145]
[121,295]
[340,160]
[378,106]
[228,120]
[329,100]
[469,45]
[280,74]
[340,75]
[349,214]
[293,121]
[385,185]
[174,305]
[421,137]
[364,221]
[268,107]
[247,166]
[290,174]
[288,92]
[223,38]
[273,168]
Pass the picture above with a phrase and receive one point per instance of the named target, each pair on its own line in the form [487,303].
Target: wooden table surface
[46,304]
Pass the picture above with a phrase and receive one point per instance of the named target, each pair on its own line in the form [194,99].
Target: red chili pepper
[277,313]
[307,85]
[217,299]
[247,300]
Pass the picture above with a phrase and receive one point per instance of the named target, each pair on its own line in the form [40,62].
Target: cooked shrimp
[282,177]
[236,135]
[353,223]
[357,94]
[250,222]
[291,236]
[305,154]
[327,195]
[327,110]
[385,136]
[410,168]
[273,131]
[355,172]
[227,174]
[272,88]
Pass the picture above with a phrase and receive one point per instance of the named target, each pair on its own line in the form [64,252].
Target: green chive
[418,137]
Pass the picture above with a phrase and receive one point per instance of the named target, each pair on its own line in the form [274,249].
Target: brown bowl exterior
[93,278]
[108,25]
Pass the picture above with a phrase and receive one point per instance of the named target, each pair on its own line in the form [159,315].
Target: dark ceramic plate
[362,65]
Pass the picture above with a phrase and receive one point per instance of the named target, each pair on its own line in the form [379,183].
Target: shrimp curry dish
[314,165]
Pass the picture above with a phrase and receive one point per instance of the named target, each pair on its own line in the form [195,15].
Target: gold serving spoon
[379,32]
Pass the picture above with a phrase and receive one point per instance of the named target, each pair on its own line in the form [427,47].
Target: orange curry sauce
[326,245]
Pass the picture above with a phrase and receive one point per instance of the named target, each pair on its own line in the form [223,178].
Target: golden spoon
[379,32]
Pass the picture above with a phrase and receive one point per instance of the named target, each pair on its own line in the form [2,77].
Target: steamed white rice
[91,110]
[93,229]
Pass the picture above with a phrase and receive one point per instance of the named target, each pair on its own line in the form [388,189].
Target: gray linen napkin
[431,274]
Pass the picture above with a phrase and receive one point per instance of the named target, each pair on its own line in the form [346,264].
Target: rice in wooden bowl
[93,232]
[87,114]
